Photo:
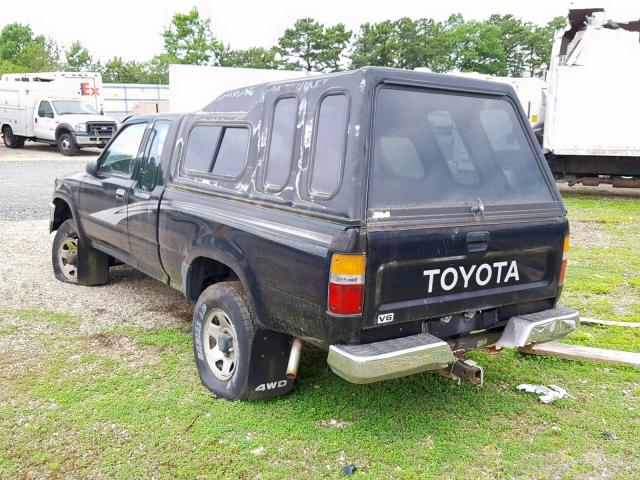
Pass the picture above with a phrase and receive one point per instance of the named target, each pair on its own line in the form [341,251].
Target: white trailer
[593,100]
[530,91]
[192,87]
[124,99]
[55,108]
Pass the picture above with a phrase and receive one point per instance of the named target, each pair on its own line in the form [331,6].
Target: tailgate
[438,271]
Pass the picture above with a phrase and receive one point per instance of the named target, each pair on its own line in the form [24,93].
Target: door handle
[477,241]
[120,193]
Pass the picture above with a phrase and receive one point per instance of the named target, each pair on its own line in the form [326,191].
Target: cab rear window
[438,150]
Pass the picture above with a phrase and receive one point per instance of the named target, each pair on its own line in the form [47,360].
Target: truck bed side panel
[281,258]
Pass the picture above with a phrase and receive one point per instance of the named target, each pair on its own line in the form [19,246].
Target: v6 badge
[385,318]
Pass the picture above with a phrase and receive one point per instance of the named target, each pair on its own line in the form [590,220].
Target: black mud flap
[269,358]
[93,266]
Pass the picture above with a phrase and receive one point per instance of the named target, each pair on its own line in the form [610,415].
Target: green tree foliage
[21,51]
[311,46]
[474,47]
[78,59]
[189,40]
[403,43]
[14,38]
[256,57]
[501,45]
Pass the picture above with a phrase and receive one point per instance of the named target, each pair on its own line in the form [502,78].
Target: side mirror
[92,167]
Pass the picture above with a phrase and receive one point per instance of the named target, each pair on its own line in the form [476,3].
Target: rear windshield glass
[439,150]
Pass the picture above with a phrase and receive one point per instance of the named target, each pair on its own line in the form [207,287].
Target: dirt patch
[123,348]
[588,234]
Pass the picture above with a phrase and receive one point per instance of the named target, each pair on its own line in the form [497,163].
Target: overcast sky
[131,28]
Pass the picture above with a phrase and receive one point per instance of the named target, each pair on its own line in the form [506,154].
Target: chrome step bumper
[539,327]
[373,362]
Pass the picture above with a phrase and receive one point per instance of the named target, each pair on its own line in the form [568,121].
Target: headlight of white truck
[81,127]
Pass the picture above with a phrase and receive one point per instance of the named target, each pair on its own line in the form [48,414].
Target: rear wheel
[223,334]
[11,140]
[67,146]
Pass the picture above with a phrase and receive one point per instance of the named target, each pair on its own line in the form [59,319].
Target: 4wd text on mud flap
[271,385]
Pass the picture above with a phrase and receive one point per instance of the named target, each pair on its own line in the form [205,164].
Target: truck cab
[393,218]
[71,124]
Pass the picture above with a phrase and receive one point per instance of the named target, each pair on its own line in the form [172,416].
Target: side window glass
[45,110]
[232,153]
[217,150]
[150,162]
[201,147]
[120,157]
[283,131]
[329,146]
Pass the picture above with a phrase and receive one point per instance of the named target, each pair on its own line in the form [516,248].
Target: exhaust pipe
[294,359]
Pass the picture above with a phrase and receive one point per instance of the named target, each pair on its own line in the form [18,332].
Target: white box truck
[58,108]
[591,128]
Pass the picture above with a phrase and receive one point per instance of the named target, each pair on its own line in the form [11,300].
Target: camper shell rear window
[436,149]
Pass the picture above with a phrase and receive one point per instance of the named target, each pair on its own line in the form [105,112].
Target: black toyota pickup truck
[393,218]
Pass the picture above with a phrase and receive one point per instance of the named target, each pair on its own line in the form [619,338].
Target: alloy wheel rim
[68,256]
[222,364]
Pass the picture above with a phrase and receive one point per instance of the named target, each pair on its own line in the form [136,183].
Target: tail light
[563,265]
[346,284]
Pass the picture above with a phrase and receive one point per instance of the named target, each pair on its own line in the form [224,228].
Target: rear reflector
[563,270]
[346,284]
[563,265]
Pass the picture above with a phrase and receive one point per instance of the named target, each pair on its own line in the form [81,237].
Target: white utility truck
[58,108]
[591,128]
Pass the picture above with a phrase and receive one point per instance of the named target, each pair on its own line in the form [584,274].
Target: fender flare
[58,195]
[65,128]
[244,273]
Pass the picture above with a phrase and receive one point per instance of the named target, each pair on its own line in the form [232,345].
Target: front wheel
[223,334]
[67,146]
[75,262]
[64,253]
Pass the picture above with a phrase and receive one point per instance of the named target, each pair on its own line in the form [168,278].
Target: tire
[67,146]
[75,262]
[223,310]
[11,140]
[64,253]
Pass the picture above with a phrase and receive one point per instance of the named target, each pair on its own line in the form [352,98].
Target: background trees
[500,45]
[311,46]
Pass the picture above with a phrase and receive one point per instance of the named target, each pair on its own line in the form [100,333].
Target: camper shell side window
[216,150]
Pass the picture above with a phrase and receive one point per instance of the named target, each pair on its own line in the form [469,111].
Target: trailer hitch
[463,369]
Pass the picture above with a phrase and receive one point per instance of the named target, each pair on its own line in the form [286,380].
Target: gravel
[26,179]
[129,298]
[26,185]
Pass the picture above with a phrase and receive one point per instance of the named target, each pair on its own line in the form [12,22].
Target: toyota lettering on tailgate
[481,275]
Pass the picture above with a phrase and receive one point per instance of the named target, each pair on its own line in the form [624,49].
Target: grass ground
[127,402]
